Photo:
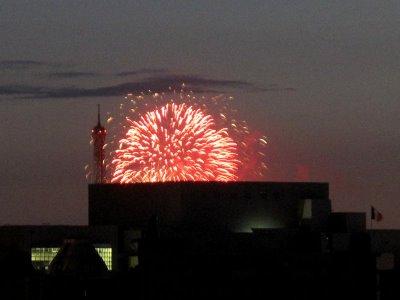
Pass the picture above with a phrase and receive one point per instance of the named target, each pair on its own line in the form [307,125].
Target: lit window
[133,261]
[307,209]
[42,257]
[106,254]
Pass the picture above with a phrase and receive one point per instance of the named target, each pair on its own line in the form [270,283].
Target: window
[133,261]
[307,209]
[106,254]
[42,257]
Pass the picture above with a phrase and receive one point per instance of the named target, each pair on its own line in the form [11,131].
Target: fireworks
[181,136]
[176,142]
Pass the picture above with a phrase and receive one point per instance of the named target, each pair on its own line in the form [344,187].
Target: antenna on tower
[99,136]
[98,114]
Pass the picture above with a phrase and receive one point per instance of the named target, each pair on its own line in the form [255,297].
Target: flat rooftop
[234,206]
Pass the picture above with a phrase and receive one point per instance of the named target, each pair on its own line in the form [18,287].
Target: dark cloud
[199,81]
[72,74]
[22,90]
[275,89]
[144,71]
[19,64]
[156,84]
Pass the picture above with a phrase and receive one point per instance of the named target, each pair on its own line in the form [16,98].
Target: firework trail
[175,143]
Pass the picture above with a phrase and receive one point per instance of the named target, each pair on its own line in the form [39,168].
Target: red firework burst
[175,143]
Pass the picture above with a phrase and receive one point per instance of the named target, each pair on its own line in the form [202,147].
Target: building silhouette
[201,240]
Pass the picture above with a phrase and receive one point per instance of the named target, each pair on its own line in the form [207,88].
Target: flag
[376,215]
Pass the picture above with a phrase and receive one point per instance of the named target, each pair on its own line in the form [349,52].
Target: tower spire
[99,136]
[98,115]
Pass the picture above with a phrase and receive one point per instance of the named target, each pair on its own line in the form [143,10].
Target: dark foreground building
[202,240]
[234,207]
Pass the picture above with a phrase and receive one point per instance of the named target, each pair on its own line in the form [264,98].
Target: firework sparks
[237,153]
[176,142]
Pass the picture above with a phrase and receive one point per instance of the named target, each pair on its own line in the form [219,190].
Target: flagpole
[371,208]
[373,216]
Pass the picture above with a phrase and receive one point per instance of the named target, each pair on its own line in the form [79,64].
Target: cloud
[199,81]
[20,64]
[144,71]
[163,83]
[156,84]
[276,89]
[71,75]
[22,90]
